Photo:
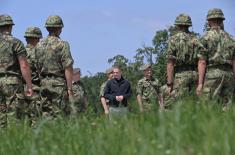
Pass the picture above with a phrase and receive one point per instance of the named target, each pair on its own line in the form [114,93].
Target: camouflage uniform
[102,87]
[183,47]
[53,55]
[79,96]
[220,51]
[34,102]
[11,85]
[148,90]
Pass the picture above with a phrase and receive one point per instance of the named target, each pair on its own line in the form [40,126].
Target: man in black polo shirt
[117,91]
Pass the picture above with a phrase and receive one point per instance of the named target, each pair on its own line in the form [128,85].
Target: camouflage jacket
[102,88]
[10,49]
[220,47]
[31,58]
[53,55]
[184,47]
[79,90]
[148,88]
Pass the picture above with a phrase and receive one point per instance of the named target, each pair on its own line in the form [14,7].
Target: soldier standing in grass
[32,36]
[182,51]
[55,63]
[148,91]
[219,59]
[80,101]
[14,65]
[104,101]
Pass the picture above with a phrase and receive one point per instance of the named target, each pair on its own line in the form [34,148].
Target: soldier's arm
[139,92]
[104,104]
[170,73]
[26,73]
[69,77]
[201,75]
[139,100]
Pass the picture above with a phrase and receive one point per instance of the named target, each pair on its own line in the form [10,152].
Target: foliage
[189,128]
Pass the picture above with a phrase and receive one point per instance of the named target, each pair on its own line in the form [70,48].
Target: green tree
[160,45]
[147,53]
[119,60]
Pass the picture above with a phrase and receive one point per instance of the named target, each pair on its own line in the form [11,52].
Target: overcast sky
[100,29]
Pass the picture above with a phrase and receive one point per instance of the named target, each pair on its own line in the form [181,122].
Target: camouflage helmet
[6,20]
[54,21]
[33,32]
[215,13]
[183,19]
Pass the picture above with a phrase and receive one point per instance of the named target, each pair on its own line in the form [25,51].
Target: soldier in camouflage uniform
[219,59]
[182,51]
[32,36]
[56,71]
[104,101]
[13,64]
[80,102]
[148,90]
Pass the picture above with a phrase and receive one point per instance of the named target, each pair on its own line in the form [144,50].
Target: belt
[225,67]
[51,75]
[185,68]
[9,74]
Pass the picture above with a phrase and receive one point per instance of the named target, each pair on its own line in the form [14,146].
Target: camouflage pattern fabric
[184,83]
[12,105]
[78,96]
[220,51]
[53,55]
[34,102]
[148,90]
[183,19]
[33,32]
[102,88]
[184,48]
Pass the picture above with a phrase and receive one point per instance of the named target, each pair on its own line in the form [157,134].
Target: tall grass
[189,128]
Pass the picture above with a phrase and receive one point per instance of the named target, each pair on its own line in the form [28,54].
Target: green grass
[187,129]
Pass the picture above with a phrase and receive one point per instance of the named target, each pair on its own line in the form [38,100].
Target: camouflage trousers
[12,105]
[34,106]
[54,98]
[149,104]
[77,105]
[219,84]
[184,84]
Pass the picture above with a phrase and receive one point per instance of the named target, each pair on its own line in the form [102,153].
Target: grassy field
[187,129]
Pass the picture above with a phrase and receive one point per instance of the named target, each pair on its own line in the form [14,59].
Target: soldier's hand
[70,92]
[199,89]
[169,90]
[29,92]
[106,112]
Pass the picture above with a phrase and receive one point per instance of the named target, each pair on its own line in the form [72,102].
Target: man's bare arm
[201,75]
[26,73]
[69,78]
[104,104]
[139,100]
[170,74]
